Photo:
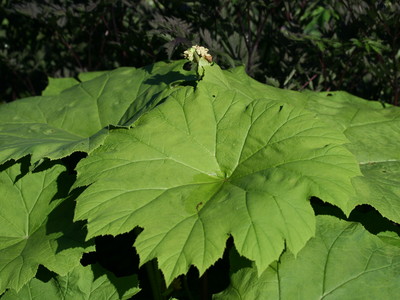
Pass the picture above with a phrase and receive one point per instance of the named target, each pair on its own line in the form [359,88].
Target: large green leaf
[343,261]
[57,85]
[74,119]
[35,228]
[89,283]
[247,86]
[212,162]
[340,108]
[374,133]
[85,76]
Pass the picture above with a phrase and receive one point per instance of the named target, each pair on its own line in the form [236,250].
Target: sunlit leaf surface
[211,163]
[89,283]
[76,119]
[343,261]
[36,227]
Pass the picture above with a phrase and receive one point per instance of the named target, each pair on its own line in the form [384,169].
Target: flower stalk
[200,57]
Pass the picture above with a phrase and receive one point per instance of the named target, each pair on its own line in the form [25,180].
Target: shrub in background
[318,45]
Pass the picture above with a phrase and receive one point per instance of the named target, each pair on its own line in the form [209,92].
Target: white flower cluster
[202,52]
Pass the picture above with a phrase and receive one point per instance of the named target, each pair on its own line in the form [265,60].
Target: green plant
[209,174]
[350,45]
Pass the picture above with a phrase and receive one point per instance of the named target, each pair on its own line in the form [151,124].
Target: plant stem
[155,279]
[187,289]
[204,288]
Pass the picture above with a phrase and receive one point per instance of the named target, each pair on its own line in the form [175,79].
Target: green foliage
[90,283]
[343,261]
[216,144]
[350,45]
[168,178]
[54,130]
[36,224]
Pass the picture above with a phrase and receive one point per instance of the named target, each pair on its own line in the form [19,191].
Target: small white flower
[197,52]
[188,54]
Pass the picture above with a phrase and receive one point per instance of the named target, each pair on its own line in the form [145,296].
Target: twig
[308,82]
[69,47]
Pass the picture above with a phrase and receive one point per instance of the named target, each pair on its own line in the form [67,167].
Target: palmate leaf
[57,125]
[374,133]
[343,261]
[90,283]
[58,85]
[85,76]
[34,229]
[209,163]
[249,87]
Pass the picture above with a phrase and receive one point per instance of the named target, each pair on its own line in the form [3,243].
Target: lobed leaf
[90,283]
[76,118]
[343,261]
[209,163]
[34,229]
[57,85]
[374,134]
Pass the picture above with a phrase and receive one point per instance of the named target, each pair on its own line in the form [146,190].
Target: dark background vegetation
[347,45]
